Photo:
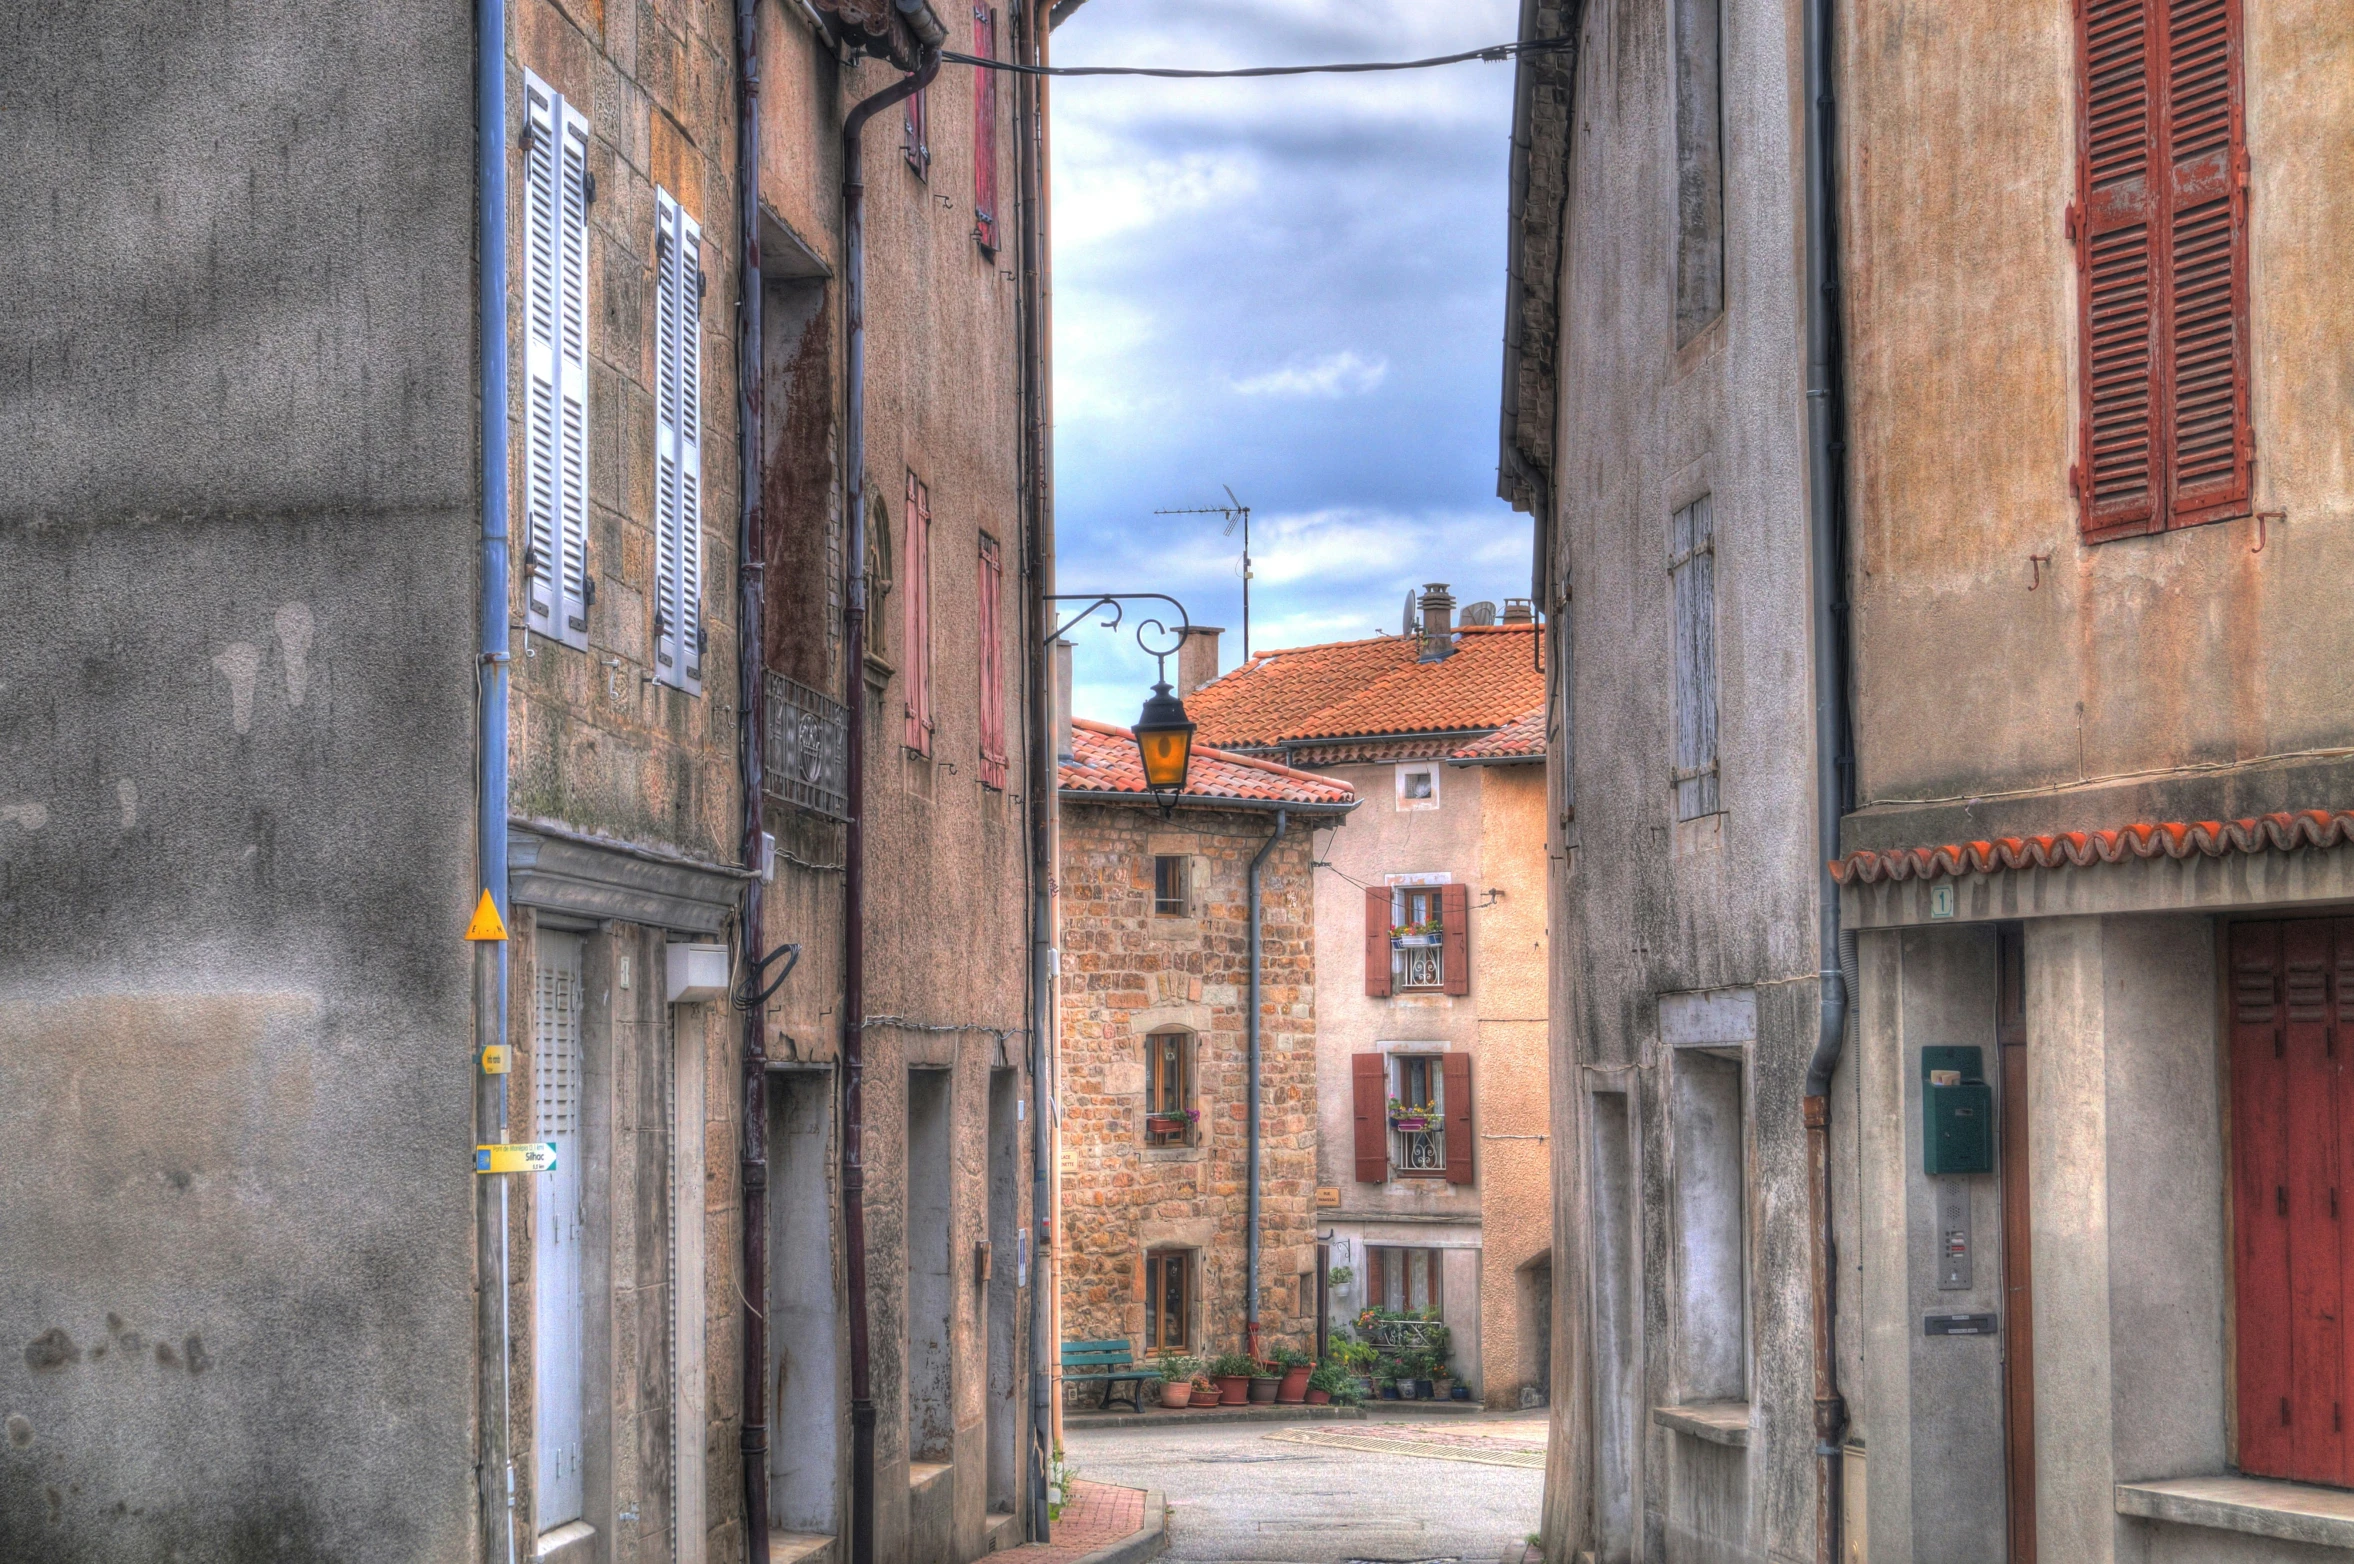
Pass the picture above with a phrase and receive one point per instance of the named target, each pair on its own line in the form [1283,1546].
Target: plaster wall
[236,802]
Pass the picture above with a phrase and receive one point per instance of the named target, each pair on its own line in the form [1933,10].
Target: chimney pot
[1438,628]
[1518,612]
[1197,658]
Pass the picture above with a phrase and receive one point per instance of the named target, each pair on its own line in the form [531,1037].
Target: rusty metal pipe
[862,1403]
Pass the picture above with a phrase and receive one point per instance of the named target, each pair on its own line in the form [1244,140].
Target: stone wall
[1127,973]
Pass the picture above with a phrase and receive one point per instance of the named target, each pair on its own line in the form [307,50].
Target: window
[1418,787]
[1169,1114]
[1169,887]
[917,569]
[992,611]
[1700,168]
[1413,1116]
[985,132]
[1417,938]
[1691,573]
[555,435]
[2292,1109]
[678,446]
[1168,1298]
[558,1299]
[1417,1107]
[2161,234]
[915,138]
[1403,1279]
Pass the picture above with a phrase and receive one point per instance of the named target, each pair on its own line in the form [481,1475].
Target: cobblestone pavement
[1402,1490]
[1098,1513]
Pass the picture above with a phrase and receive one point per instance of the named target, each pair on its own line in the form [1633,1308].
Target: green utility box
[1957,1112]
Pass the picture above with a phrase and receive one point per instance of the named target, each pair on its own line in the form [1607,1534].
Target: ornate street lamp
[1164,733]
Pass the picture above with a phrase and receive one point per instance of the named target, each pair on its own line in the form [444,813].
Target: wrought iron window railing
[1419,1151]
[807,760]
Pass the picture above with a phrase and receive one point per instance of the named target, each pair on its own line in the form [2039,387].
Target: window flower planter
[1166,1124]
[1413,1123]
[1415,941]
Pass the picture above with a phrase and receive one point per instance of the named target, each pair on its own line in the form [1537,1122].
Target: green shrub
[1232,1365]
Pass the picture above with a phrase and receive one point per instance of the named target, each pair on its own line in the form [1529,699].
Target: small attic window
[1418,787]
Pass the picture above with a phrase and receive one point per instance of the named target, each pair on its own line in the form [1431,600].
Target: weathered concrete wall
[1128,972]
[2089,664]
[236,808]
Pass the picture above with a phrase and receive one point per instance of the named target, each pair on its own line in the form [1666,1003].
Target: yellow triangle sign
[486,924]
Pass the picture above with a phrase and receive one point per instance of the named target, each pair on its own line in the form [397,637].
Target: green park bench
[1111,1362]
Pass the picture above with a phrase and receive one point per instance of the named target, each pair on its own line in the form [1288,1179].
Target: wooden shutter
[985,131]
[555,346]
[1455,1092]
[2161,238]
[1369,1089]
[1377,941]
[917,569]
[559,1352]
[916,146]
[991,606]
[1455,932]
[678,446]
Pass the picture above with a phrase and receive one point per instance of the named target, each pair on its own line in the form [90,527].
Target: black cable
[1497,51]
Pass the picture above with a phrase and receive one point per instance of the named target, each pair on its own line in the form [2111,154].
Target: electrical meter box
[1957,1112]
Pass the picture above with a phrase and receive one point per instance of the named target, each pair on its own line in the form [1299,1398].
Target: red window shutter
[2209,441]
[1369,1085]
[992,597]
[1377,942]
[2117,263]
[985,131]
[2260,1153]
[2317,1373]
[1455,1087]
[1455,932]
[919,616]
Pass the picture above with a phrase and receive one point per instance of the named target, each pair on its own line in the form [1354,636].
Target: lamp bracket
[1110,602]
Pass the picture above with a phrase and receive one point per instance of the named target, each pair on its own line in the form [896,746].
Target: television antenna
[1236,514]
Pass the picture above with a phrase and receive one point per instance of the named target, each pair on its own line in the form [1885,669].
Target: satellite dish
[1410,626]
[1479,614]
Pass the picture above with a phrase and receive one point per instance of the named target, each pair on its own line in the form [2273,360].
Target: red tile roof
[1523,738]
[2080,849]
[1362,689]
[1104,760]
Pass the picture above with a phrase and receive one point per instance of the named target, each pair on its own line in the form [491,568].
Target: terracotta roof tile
[1104,760]
[2081,849]
[1362,689]
[1523,738]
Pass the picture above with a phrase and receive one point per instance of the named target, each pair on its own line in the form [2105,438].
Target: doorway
[2010,1036]
[804,1322]
[931,1297]
[1003,1281]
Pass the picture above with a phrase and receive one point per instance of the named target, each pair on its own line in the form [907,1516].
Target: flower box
[1412,1122]
[1165,1124]
[1415,941]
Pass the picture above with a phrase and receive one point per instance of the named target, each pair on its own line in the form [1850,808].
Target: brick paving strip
[1436,1444]
[1098,1515]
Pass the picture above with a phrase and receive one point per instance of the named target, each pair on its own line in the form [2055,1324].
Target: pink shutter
[1369,1087]
[1455,932]
[1455,1087]
[985,131]
[1377,942]
[918,570]
[992,596]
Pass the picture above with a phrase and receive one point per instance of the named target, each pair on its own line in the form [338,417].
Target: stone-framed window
[1404,1279]
[1419,1081]
[1171,886]
[1168,1088]
[1171,1282]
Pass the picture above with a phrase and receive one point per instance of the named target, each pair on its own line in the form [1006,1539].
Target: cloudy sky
[1292,285]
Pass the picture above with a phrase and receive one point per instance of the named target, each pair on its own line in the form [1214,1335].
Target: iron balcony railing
[808,757]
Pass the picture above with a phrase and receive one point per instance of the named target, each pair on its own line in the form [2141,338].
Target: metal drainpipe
[751,577]
[1250,1305]
[1826,485]
[490,783]
[862,1405]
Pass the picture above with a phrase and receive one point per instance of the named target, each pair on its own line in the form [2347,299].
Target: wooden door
[2010,1035]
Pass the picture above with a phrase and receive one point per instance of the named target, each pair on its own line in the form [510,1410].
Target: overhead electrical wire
[1500,51]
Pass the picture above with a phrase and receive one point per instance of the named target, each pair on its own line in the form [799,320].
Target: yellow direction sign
[487,923]
[521,1157]
[494,1059]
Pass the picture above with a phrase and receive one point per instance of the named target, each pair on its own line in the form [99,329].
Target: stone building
[1155,1065]
[275,730]
[1433,730]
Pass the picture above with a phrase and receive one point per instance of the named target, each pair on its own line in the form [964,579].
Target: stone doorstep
[2259,1506]
[794,1547]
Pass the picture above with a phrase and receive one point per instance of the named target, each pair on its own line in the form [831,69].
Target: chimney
[1438,628]
[1197,658]
[1062,702]
[1518,612]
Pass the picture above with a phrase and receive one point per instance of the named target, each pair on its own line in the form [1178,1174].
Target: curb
[1261,1414]
[1148,1541]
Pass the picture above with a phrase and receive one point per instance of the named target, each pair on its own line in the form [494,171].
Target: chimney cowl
[1519,611]
[1438,628]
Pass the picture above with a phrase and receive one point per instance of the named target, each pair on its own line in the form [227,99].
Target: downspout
[1250,1300]
[751,578]
[1042,757]
[1826,483]
[490,781]
[862,1403]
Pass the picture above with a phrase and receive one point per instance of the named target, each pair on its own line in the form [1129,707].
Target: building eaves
[1105,769]
[2178,839]
[1519,742]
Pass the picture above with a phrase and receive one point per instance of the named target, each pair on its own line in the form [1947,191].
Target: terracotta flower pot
[1263,1390]
[1176,1392]
[1317,1398]
[1294,1387]
[1233,1389]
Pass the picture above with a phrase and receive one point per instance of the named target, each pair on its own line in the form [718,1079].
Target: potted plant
[1297,1369]
[1233,1373]
[1205,1389]
[1442,1384]
[1265,1382]
[1411,1116]
[1164,1123]
[1415,936]
[1176,1379]
[1324,1382]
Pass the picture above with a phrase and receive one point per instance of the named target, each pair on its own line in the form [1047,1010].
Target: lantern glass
[1164,741]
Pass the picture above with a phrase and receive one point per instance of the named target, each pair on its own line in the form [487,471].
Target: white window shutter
[559,1345]
[678,446]
[572,372]
[556,434]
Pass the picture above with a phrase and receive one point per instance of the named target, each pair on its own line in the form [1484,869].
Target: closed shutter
[1455,933]
[678,446]
[985,131]
[558,1303]
[991,609]
[917,571]
[2161,241]
[1455,1089]
[1369,1088]
[555,445]
[916,146]
[1377,942]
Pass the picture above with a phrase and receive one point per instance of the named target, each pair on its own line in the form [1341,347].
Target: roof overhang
[1196,801]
